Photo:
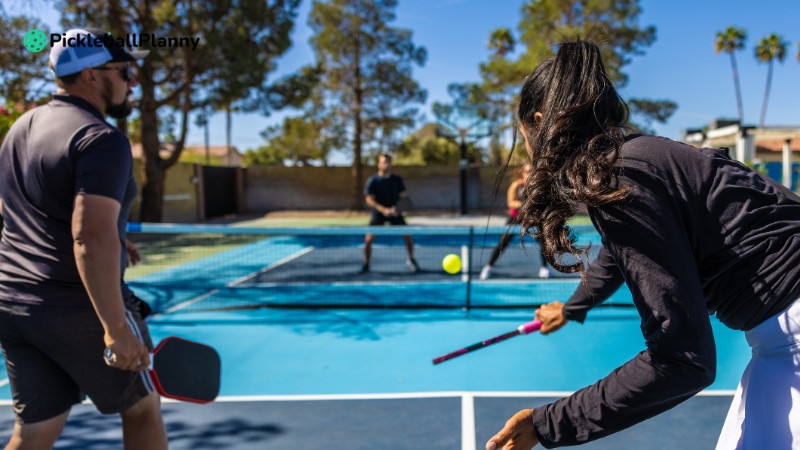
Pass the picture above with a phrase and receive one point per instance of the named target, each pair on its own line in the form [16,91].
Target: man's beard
[118,110]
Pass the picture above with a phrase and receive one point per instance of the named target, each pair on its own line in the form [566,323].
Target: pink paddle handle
[530,327]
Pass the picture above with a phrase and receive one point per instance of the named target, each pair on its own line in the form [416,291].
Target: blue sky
[681,65]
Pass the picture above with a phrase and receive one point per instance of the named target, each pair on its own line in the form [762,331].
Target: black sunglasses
[125,72]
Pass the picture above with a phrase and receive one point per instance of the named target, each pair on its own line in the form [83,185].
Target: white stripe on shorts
[144,375]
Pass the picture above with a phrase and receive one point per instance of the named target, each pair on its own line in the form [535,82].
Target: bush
[9,114]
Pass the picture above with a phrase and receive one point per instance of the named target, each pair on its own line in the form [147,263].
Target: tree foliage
[297,141]
[240,40]
[366,90]
[424,147]
[544,23]
[24,76]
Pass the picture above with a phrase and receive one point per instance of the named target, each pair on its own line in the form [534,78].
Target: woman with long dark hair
[691,232]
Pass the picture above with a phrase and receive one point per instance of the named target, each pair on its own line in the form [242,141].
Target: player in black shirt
[67,187]
[691,232]
[383,191]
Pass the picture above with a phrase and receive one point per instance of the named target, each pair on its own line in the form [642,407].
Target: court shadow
[188,427]
[228,433]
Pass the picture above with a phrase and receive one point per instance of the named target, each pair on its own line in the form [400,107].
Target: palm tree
[729,41]
[768,50]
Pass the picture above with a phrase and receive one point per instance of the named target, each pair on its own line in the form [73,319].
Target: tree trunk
[228,134]
[152,206]
[152,192]
[117,29]
[766,97]
[357,170]
[738,88]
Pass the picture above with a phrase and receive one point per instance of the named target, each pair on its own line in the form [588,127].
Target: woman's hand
[518,434]
[133,253]
[552,317]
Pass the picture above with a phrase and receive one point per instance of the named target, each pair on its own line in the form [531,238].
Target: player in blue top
[383,191]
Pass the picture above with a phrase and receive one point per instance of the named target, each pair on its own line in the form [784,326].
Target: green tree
[366,86]
[544,23]
[769,49]
[728,41]
[24,76]
[424,147]
[239,41]
[501,42]
[649,111]
[298,140]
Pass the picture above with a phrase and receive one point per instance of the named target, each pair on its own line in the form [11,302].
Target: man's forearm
[375,205]
[98,261]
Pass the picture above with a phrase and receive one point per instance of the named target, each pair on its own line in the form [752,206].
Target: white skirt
[765,413]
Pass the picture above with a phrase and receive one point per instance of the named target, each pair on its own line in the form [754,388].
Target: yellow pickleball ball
[451,264]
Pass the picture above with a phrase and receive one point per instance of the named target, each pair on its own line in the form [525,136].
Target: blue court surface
[364,379]
[328,378]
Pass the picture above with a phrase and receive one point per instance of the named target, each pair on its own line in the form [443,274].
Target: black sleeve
[369,188]
[603,278]
[103,165]
[647,238]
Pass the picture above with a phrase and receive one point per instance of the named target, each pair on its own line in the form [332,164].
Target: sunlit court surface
[316,355]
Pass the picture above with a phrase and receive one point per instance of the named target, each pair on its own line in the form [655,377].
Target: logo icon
[35,40]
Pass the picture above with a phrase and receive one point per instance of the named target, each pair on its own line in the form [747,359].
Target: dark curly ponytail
[573,143]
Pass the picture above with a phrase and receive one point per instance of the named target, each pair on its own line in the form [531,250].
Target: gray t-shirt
[50,155]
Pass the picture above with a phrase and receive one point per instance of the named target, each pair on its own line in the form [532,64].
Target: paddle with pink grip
[525,328]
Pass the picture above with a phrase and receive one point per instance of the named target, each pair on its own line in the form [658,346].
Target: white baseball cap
[79,49]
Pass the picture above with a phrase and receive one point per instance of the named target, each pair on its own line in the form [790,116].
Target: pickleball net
[198,267]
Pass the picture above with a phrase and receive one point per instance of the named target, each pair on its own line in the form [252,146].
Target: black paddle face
[186,370]
[404,205]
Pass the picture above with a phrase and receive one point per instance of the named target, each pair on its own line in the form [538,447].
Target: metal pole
[468,305]
[463,164]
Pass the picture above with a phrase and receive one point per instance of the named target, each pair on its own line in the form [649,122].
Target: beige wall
[180,193]
[435,188]
[277,188]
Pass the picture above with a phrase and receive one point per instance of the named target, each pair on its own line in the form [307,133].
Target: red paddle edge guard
[157,382]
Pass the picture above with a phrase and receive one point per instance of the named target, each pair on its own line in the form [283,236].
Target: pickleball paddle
[525,328]
[185,370]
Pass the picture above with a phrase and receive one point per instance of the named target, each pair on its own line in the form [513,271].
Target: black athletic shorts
[380,219]
[54,358]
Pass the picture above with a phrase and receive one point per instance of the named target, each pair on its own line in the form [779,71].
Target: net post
[468,271]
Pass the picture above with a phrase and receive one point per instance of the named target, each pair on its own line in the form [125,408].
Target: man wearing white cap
[65,196]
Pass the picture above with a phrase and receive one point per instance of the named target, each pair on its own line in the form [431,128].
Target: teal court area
[358,374]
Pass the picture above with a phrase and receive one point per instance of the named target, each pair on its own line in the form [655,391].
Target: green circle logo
[35,41]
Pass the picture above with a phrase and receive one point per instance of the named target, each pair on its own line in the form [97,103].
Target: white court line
[426,282]
[4,382]
[402,395]
[412,395]
[270,267]
[467,422]
[191,301]
[237,281]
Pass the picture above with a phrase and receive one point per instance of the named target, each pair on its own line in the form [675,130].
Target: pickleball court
[318,356]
